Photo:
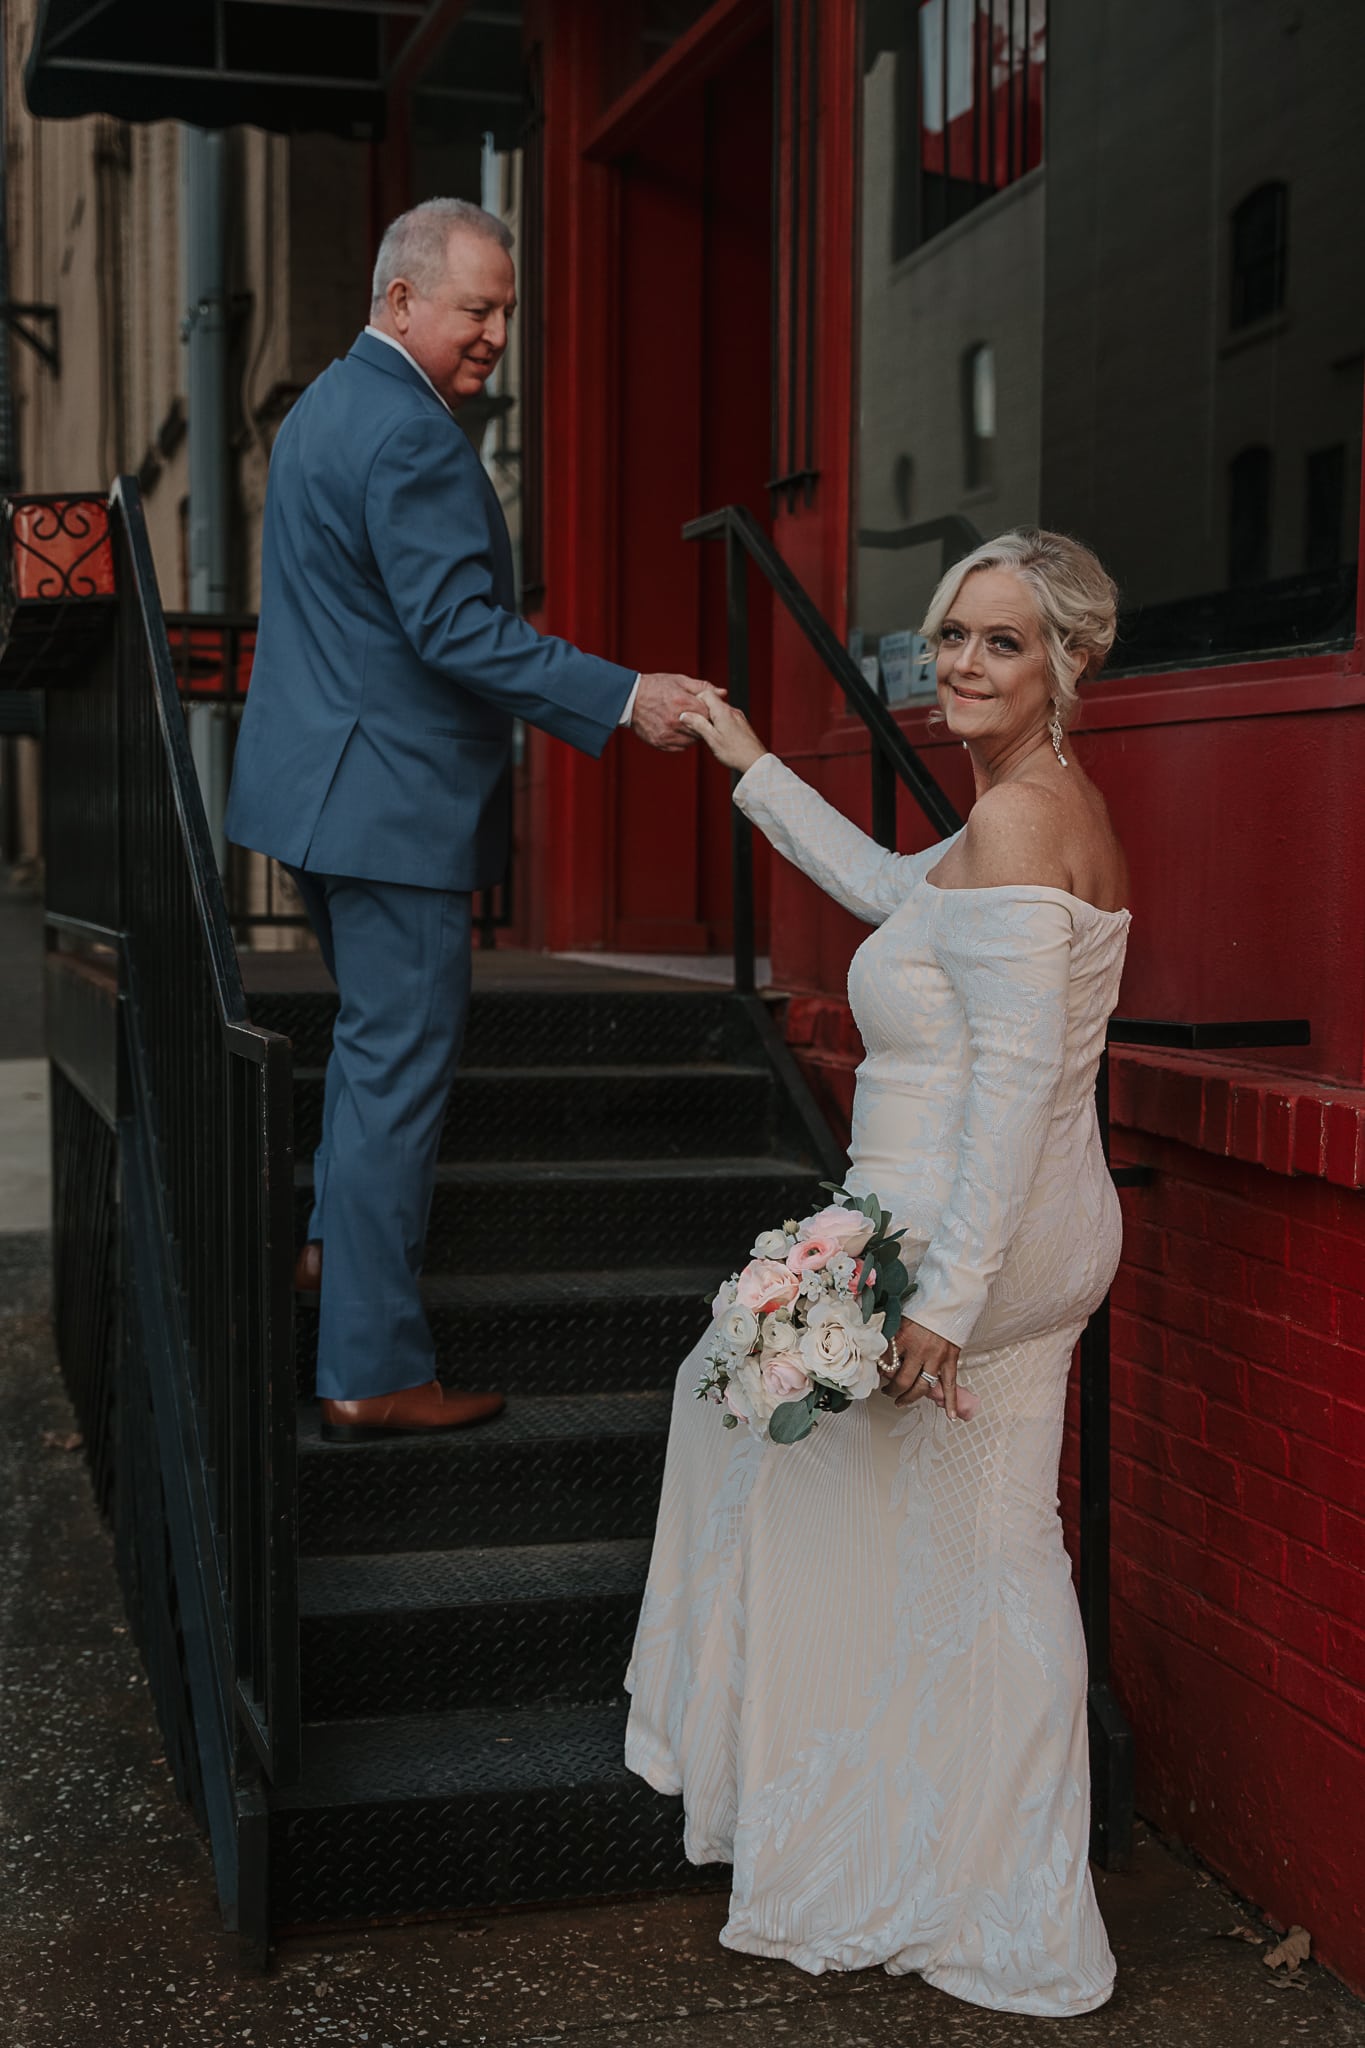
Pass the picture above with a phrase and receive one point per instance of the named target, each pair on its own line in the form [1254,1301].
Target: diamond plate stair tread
[495,1173]
[554,1289]
[596,1072]
[509,1113]
[526,1420]
[408,1581]
[535,1418]
[450,1756]
[626,1329]
[553,1468]
[538,1029]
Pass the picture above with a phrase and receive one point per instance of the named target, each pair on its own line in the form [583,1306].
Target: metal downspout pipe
[203,281]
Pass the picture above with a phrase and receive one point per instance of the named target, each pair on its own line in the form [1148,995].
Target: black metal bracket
[16,315]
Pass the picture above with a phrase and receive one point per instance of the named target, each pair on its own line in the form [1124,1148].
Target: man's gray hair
[415,245]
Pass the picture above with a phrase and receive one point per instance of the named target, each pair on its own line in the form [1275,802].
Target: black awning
[290,65]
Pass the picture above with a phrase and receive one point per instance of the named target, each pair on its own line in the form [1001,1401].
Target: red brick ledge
[1283,1122]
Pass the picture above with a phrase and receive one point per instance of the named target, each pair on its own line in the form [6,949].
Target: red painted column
[564,851]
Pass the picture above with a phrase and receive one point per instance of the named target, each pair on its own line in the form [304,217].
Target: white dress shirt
[629,712]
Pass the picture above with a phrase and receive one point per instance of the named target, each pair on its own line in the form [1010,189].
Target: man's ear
[399,299]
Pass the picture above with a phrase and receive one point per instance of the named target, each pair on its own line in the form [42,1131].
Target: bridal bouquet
[803,1326]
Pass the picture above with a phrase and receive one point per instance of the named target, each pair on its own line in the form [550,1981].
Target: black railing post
[883,799]
[741,832]
[1111,1739]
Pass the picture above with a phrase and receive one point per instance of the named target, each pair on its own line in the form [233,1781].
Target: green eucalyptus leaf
[792,1420]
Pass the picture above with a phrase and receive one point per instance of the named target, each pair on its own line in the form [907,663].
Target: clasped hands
[660,704]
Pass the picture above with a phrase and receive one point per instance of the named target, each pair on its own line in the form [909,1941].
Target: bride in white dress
[860,1657]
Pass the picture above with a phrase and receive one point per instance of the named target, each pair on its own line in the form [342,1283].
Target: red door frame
[569,797]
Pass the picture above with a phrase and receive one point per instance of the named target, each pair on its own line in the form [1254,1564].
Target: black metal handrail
[206,1173]
[892,757]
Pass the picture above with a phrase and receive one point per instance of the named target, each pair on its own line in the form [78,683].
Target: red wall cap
[1284,1123]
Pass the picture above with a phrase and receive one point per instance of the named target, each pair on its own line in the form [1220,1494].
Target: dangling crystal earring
[1054,732]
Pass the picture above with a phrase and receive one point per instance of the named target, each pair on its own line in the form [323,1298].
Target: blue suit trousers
[400,957]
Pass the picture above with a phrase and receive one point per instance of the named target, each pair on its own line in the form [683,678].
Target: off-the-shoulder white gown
[860,1658]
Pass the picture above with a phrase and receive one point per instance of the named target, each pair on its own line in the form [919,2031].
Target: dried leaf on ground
[1241,1932]
[62,1440]
[1288,1954]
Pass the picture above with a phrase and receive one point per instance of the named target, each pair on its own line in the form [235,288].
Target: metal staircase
[467,1602]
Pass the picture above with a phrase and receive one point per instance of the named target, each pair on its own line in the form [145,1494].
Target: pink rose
[784,1376]
[813,1254]
[766,1284]
[848,1227]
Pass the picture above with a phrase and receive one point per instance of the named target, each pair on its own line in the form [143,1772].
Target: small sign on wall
[907,666]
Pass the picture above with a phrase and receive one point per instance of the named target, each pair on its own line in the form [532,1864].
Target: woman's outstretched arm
[840,859]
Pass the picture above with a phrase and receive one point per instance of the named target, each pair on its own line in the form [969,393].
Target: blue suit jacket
[390,663]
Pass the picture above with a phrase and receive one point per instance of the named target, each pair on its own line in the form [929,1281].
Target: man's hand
[658,703]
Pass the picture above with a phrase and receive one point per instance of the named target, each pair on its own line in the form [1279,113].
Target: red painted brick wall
[1238,1468]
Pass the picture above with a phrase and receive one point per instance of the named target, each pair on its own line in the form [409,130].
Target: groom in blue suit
[373,761]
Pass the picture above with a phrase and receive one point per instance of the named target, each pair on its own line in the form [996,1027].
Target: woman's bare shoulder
[1016,833]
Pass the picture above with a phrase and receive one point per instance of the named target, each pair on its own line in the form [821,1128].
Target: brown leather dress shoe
[415,1409]
[308,1267]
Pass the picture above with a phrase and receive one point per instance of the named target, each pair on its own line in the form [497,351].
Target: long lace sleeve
[1009,962]
[820,841]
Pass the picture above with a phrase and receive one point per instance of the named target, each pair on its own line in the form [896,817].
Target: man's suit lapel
[378,355]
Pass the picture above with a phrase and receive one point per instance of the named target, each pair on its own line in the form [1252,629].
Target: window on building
[978,416]
[1259,253]
[1136,391]
[1323,507]
[1250,486]
[968,104]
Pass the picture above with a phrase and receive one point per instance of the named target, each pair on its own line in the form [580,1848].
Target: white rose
[778,1331]
[770,1244]
[725,1295]
[746,1395]
[834,1347]
[869,1336]
[738,1328]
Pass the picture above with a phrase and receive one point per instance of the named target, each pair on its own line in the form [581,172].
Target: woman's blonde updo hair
[1077,602]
